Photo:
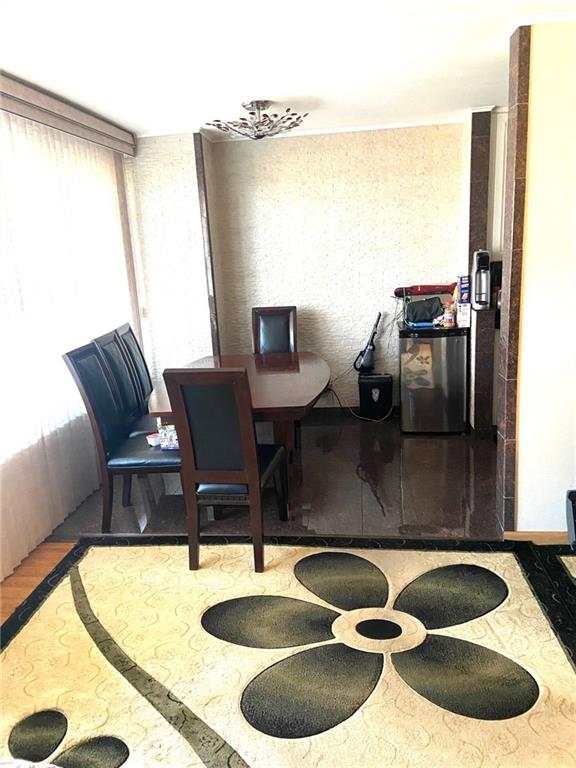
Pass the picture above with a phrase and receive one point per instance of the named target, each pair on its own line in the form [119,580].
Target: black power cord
[329,388]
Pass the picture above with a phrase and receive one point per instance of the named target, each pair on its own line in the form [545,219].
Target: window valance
[26,100]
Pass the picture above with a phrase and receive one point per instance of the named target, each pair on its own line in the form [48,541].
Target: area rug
[335,656]
[570,564]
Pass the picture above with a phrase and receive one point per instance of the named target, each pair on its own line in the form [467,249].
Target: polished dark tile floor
[358,479]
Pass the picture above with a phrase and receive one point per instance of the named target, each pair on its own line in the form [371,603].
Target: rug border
[555,590]
[547,577]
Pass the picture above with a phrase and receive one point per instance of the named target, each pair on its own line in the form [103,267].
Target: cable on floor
[329,388]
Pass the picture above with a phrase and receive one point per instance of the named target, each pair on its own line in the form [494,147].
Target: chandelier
[260,124]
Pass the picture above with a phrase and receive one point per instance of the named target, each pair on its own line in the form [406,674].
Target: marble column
[506,386]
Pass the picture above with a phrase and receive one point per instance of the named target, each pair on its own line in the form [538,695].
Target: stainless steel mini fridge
[433,391]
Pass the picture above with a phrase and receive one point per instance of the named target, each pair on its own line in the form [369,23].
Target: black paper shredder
[375,395]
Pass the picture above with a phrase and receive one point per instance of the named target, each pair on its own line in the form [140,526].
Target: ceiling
[160,68]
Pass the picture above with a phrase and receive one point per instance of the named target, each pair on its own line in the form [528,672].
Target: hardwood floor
[538,537]
[16,588]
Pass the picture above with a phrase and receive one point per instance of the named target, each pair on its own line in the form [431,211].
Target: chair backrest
[212,411]
[274,329]
[94,380]
[134,351]
[125,377]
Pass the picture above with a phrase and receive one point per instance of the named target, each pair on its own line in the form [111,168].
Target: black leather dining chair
[138,362]
[127,387]
[118,453]
[221,462]
[274,330]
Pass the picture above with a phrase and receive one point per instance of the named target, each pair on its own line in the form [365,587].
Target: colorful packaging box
[463,315]
[464,290]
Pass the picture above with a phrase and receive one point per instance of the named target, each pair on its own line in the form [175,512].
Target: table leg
[285,434]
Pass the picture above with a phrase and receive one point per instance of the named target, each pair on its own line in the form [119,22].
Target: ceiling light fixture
[259,124]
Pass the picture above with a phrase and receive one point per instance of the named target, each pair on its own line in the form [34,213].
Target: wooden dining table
[284,388]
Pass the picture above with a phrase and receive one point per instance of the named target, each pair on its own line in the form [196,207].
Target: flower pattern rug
[331,658]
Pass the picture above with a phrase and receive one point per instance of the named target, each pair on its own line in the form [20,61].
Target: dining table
[284,387]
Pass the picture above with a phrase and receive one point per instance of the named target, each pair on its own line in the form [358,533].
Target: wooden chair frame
[192,476]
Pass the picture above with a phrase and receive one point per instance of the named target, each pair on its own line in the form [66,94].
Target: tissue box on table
[168,438]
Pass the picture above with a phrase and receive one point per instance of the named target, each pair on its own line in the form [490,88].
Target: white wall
[333,223]
[168,251]
[546,426]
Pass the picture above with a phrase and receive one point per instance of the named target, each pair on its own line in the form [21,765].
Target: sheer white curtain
[62,282]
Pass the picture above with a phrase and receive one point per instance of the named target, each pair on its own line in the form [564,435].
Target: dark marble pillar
[483,323]
[479,176]
[482,371]
[506,387]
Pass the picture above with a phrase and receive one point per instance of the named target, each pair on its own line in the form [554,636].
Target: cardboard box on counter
[463,315]
[464,289]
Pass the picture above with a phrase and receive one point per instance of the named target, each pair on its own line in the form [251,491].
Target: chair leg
[127,491]
[193,532]
[257,534]
[107,501]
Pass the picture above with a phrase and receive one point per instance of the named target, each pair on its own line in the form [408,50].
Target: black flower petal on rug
[317,689]
[38,735]
[467,679]
[466,592]
[344,580]
[99,752]
[312,691]
[267,621]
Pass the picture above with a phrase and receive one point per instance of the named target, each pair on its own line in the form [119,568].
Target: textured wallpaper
[333,223]
[168,251]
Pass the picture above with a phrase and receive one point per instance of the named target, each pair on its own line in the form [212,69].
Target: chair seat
[143,425]
[269,457]
[135,453]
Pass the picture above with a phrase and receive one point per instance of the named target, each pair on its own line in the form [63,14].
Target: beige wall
[332,224]
[168,250]
[546,428]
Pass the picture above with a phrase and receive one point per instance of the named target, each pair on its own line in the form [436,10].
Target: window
[63,281]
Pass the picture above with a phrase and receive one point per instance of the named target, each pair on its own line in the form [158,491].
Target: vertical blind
[62,282]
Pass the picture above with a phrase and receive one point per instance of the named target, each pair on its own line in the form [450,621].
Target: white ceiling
[169,67]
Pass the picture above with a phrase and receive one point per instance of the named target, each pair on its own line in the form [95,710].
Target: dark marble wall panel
[482,370]
[514,202]
[479,175]
[483,323]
